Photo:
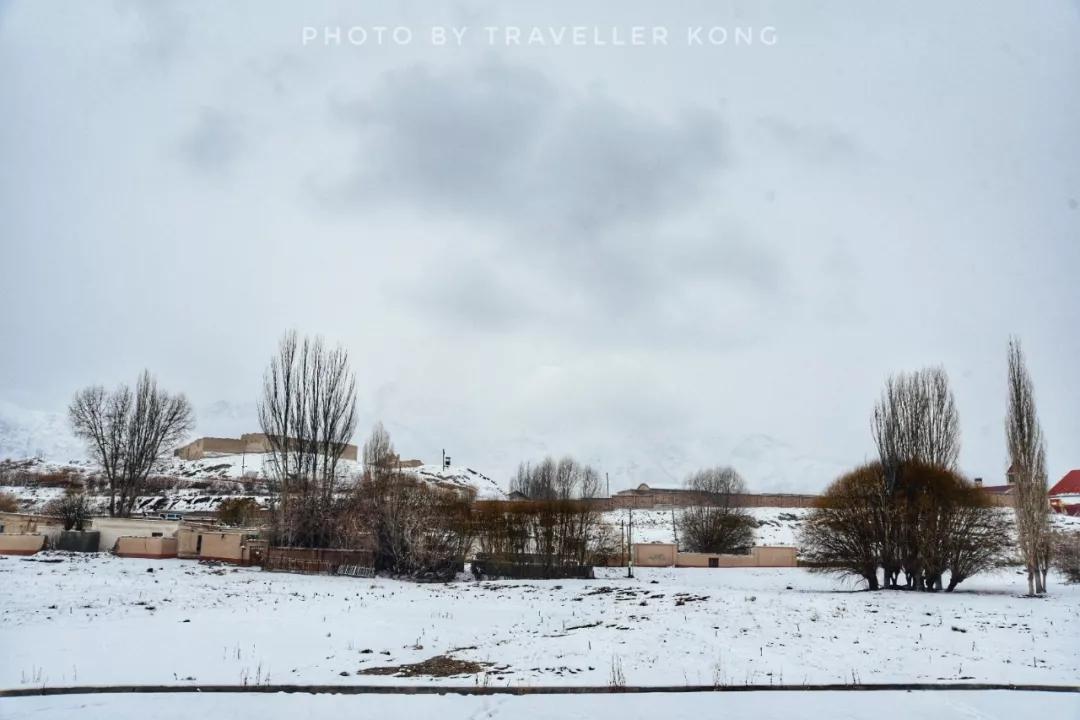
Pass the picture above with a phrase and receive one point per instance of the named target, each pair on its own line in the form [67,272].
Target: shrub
[934,522]
[73,509]
[418,530]
[1067,555]
[238,512]
[715,523]
[8,502]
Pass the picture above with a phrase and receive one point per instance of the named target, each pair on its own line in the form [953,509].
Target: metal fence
[354,563]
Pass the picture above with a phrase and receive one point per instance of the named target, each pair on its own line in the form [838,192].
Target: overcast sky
[652,257]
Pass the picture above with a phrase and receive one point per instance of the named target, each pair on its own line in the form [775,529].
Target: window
[156,535]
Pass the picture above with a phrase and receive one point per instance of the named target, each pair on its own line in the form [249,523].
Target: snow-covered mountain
[34,433]
[767,463]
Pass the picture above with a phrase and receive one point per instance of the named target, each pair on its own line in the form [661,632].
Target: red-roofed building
[1065,495]
[1068,485]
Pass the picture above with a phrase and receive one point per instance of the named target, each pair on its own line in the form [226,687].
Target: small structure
[79,541]
[233,545]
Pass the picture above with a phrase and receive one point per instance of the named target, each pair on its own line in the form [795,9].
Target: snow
[220,477]
[776,526]
[992,705]
[768,463]
[99,619]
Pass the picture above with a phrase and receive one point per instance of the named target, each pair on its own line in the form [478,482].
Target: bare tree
[73,509]
[308,414]
[378,452]
[947,525]
[843,533]
[556,530]
[129,432]
[715,522]
[915,423]
[418,530]
[1027,454]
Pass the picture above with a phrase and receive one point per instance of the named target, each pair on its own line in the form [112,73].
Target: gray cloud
[577,186]
[506,142]
[817,144]
[213,142]
[648,257]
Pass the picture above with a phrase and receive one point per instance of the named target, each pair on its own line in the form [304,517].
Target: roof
[1068,485]
[997,489]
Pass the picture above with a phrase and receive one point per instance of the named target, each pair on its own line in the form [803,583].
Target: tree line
[910,513]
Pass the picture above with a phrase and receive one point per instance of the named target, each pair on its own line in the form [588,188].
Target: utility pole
[630,545]
[622,540]
[607,478]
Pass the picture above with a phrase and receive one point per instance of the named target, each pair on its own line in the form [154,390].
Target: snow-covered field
[682,706]
[100,620]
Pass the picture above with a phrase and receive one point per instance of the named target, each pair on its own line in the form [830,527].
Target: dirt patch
[438,666]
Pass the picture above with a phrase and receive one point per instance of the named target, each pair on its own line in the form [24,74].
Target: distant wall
[654,554]
[146,547]
[21,544]
[652,499]
[666,555]
[253,443]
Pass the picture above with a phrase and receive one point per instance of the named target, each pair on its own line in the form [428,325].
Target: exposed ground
[105,620]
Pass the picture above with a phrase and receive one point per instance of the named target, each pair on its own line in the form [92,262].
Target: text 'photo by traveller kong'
[594,360]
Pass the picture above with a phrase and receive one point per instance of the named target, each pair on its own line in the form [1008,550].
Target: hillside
[767,463]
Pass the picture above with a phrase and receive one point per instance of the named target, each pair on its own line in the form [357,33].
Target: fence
[354,563]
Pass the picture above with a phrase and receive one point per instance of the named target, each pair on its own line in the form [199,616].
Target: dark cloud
[505,143]
[576,187]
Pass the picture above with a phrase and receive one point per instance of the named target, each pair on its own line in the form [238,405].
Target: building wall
[759,557]
[187,542]
[653,499]
[215,544]
[666,555]
[22,544]
[112,529]
[701,560]
[654,554]
[222,546]
[253,443]
[25,523]
[146,547]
